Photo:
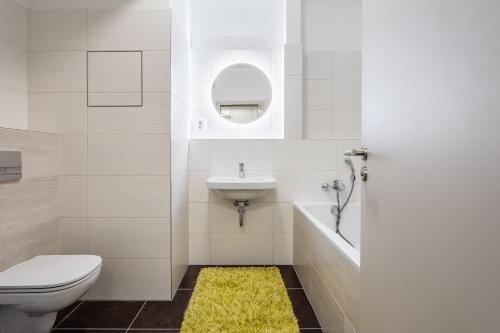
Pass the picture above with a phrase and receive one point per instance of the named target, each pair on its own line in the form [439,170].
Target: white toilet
[32,292]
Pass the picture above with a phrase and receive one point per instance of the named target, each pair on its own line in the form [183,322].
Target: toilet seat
[49,273]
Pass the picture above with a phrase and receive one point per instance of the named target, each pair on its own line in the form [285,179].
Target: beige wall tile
[198,190]
[40,151]
[133,279]
[199,249]
[130,238]
[326,308]
[347,65]
[152,118]
[248,249]
[73,196]
[156,71]
[13,66]
[283,218]
[129,154]
[338,273]
[57,112]
[28,220]
[224,219]
[73,154]
[14,108]
[130,30]
[14,23]
[57,30]
[97,99]
[302,267]
[129,196]
[74,236]
[282,249]
[57,71]
[115,72]
[199,218]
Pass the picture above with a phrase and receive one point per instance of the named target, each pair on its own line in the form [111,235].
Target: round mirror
[241,93]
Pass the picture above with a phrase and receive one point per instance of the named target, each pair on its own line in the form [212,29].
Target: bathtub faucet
[337,185]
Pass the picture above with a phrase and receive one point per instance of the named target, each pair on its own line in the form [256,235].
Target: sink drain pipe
[241,206]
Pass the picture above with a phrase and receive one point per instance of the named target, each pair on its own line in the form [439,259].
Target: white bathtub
[321,217]
[328,266]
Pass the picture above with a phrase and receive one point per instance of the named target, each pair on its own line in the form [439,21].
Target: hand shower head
[348,161]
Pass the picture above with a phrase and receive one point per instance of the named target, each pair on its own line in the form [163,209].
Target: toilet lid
[42,272]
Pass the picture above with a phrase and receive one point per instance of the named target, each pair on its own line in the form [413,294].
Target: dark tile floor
[164,316]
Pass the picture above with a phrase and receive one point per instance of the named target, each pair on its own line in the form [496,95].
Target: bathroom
[249,166]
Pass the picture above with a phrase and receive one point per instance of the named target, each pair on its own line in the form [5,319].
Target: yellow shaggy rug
[239,299]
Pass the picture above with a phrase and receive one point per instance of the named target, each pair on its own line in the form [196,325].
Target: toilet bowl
[32,292]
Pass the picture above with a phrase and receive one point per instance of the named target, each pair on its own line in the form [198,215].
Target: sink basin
[240,189]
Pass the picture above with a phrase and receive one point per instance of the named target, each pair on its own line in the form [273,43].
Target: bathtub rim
[346,250]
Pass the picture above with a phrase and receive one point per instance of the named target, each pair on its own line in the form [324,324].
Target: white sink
[241,189]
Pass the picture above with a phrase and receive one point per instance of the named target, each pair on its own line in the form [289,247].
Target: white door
[430,259]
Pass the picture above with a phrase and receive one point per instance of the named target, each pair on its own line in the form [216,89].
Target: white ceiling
[94,4]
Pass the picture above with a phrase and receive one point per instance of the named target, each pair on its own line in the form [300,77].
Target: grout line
[66,317]
[137,315]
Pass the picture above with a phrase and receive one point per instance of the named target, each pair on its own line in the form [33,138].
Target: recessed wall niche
[114,79]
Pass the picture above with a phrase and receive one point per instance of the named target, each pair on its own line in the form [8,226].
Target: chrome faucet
[242,170]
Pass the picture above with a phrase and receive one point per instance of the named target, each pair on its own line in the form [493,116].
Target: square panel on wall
[114,79]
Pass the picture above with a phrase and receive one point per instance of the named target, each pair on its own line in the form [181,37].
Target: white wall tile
[227,154]
[152,118]
[346,124]
[122,29]
[302,186]
[293,123]
[114,72]
[73,154]
[318,124]
[179,155]
[293,60]
[129,196]
[198,190]
[57,71]
[13,66]
[58,113]
[283,218]
[282,249]
[199,218]
[73,196]
[119,277]
[317,94]
[248,249]
[74,236]
[156,67]
[304,154]
[347,95]
[224,219]
[129,154]
[199,155]
[318,65]
[129,238]
[293,91]
[347,65]
[199,249]
[57,30]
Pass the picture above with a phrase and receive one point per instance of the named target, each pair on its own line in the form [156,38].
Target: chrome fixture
[338,186]
[10,166]
[363,152]
[242,170]
[364,173]
[241,206]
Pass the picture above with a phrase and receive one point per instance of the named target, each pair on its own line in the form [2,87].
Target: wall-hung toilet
[32,292]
